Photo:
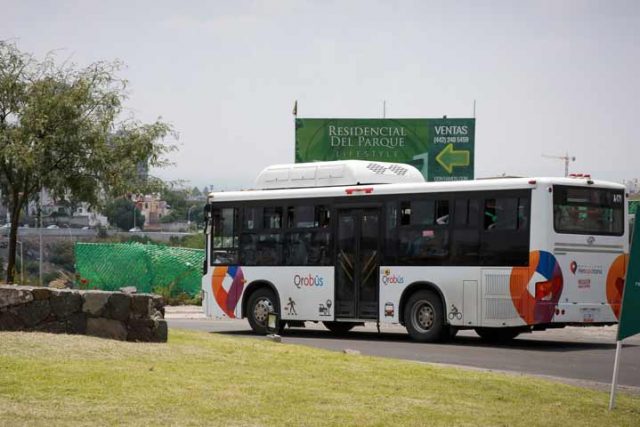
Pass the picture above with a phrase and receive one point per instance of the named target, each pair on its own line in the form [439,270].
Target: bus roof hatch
[336,173]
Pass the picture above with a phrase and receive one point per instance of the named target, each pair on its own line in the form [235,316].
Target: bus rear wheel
[261,303]
[424,317]
[339,328]
[498,335]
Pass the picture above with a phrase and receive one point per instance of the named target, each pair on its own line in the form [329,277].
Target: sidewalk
[183,312]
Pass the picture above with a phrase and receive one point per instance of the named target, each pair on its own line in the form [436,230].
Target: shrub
[32,267]
[50,277]
[194,241]
[61,254]
[102,232]
[135,238]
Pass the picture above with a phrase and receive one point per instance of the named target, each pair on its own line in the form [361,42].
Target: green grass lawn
[208,379]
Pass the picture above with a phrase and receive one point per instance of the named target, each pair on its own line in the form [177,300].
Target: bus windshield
[587,210]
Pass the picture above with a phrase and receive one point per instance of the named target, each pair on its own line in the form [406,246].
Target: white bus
[349,242]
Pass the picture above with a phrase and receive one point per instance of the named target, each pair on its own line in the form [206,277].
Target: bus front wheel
[424,317]
[261,303]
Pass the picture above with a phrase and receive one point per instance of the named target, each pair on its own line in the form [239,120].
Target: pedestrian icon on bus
[291,307]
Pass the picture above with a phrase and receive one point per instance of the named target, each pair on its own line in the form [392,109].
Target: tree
[119,212]
[61,128]
[176,198]
[181,208]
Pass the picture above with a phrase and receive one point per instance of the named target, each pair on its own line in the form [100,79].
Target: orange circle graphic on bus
[538,307]
[615,283]
[227,300]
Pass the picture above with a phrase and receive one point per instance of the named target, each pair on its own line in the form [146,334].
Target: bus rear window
[586,210]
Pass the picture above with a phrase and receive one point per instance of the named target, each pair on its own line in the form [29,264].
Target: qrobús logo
[586,269]
[227,284]
[391,279]
[307,281]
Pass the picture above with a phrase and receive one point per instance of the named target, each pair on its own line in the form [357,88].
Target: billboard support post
[629,320]
[614,380]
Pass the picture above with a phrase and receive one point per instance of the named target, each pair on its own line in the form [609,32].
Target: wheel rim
[261,310]
[423,316]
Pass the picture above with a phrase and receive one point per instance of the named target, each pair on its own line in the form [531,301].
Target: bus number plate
[589,315]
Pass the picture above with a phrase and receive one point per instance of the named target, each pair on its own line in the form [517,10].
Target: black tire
[339,328]
[260,304]
[498,335]
[424,317]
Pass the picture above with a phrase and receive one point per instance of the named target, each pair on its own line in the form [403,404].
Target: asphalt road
[574,354]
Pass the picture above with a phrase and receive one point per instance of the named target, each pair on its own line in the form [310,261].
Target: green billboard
[630,311]
[442,149]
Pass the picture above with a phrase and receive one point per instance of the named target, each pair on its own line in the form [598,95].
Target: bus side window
[307,239]
[323,215]
[320,248]
[489,214]
[261,248]
[224,248]
[423,236]
[422,212]
[523,213]
[405,213]
[307,216]
[465,241]
[301,217]
[272,218]
[507,213]
[296,248]
[251,218]
[391,232]
[442,212]
[501,214]
[461,212]
[504,240]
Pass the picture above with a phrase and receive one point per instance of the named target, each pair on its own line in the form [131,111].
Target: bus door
[357,263]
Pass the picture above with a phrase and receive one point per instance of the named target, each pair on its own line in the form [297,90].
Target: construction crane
[566,159]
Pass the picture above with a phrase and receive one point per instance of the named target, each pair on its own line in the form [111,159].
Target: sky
[548,77]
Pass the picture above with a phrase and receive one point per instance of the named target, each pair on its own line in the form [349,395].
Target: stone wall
[116,315]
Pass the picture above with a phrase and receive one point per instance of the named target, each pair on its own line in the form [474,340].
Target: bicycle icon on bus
[455,313]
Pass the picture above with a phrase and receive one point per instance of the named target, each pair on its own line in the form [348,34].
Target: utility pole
[566,159]
[189,216]
[135,206]
[40,234]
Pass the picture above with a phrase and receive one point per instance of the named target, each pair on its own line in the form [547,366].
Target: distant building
[56,211]
[153,208]
[93,218]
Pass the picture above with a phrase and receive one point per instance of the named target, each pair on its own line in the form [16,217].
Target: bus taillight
[365,190]
[544,290]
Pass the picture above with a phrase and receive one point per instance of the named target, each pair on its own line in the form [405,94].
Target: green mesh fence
[165,270]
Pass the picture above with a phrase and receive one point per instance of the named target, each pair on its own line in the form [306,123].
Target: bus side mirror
[207,218]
